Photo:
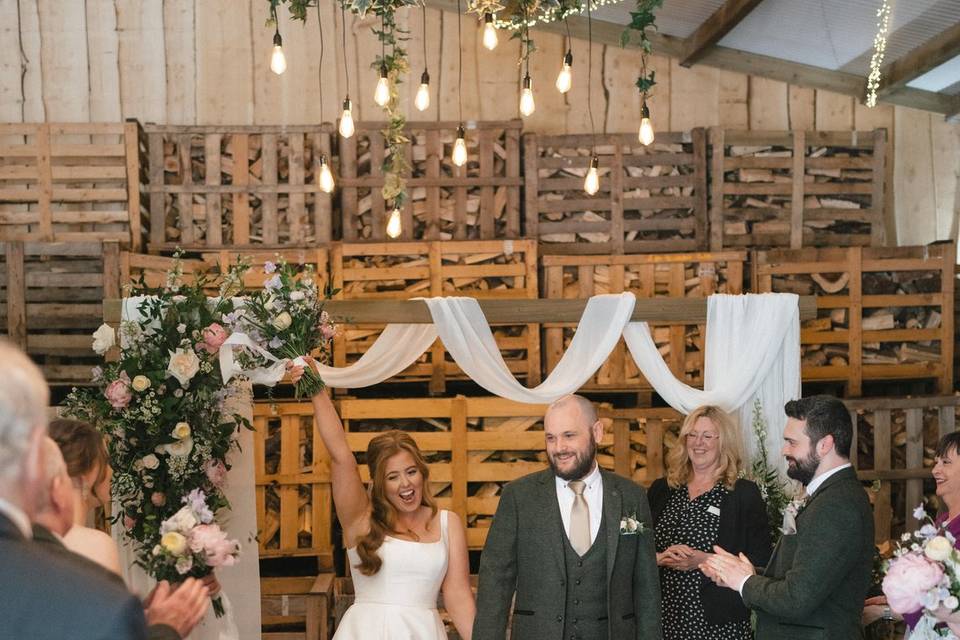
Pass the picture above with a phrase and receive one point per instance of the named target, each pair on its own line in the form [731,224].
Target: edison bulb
[565,77]
[346,120]
[422,101]
[278,61]
[489,32]
[459,155]
[325,177]
[527,106]
[394,225]
[646,126]
[382,95]
[591,184]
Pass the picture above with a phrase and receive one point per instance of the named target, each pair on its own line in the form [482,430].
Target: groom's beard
[803,470]
[584,463]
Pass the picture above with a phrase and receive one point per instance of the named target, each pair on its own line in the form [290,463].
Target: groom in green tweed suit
[818,576]
[571,546]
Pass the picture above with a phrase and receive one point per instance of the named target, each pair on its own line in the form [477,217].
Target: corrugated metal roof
[676,18]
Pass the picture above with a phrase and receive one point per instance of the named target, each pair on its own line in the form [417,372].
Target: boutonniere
[790,514]
[630,526]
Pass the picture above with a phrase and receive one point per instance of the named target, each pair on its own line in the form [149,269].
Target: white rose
[150,461]
[184,564]
[182,520]
[181,431]
[297,295]
[103,339]
[157,550]
[951,603]
[183,365]
[140,383]
[938,549]
[282,321]
[180,448]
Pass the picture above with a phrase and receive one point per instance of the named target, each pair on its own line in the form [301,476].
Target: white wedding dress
[398,602]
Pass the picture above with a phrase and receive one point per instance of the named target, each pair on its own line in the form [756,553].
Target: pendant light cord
[343,41]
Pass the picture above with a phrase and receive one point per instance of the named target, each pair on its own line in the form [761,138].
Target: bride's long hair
[383,516]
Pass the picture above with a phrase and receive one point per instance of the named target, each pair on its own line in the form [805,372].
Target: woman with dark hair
[702,502]
[403,551]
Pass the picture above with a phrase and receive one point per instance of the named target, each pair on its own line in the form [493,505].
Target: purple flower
[269,267]
[273,283]
[276,343]
[198,503]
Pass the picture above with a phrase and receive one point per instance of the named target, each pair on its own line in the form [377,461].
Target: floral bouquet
[924,578]
[161,403]
[283,322]
[191,544]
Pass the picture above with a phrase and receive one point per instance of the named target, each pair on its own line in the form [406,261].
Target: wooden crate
[301,602]
[480,200]
[219,186]
[71,182]
[483,269]
[651,199]
[647,276]
[52,302]
[883,313]
[796,188]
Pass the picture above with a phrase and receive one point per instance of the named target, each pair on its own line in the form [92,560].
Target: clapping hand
[726,569]
[681,557]
[180,608]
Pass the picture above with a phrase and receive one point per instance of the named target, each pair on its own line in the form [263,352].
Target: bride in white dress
[403,551]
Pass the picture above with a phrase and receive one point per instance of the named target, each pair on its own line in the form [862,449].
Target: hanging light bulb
[394,225]
[278,61]
[382,95]
[646,127]
[325,176]
[565,77]
[489,32]
[459,155]
[422,101]
[346,119]
[591,184]
[527,105]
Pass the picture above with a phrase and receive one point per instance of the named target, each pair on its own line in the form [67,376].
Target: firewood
[878,321]
[831,286]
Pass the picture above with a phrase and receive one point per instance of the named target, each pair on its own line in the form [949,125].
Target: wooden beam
[714,28]
[927,56]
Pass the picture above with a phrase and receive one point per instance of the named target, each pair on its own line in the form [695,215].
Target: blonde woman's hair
[679,467]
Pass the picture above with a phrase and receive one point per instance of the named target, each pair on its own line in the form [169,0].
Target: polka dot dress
[689,522]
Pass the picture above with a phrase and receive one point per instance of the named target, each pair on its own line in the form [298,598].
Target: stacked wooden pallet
[651,199]
[884,313]
[796,189]
[483,269]
[217,187]
[71,182]
[480,200]
[647,276]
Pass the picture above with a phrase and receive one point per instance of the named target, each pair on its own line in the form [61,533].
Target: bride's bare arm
[457,596]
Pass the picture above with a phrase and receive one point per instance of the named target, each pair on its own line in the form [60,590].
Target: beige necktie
[579,519]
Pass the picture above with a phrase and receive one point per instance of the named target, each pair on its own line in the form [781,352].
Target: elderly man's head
[572,431]
[24,397]
[54,503]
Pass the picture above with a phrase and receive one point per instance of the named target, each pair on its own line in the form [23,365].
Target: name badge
[714,510]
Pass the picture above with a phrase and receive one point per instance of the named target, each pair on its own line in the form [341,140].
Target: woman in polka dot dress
[699,504]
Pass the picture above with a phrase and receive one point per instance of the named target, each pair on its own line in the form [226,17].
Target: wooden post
[185,200]
[621,447]
[348,193]
[269,225]
[289,492]
[406,214]
[881,462]
[716,189]
[534,366]
[158,205]
[854,321]
[948,282]
[438,367]
[241,178]
[797,194]
[214,211]
[700,212]
[914,460]
[877,225]
[513,171]
[530,193]
[486,221]
[131,143]
[432,218]
[296,210]
[458,456]
[111,270]
[45,177]
[654,449]
[16,295]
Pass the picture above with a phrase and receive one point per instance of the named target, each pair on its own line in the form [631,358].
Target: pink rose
[216,472]
[213,337]
[118,392]
[909,577]
[328,331]
[212,541]
[129,523]
[158,499]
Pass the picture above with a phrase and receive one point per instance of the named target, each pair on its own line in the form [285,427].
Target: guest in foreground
[818,576]
[42,596]
[171,615]
[699,504]
[571,546]
[403,551]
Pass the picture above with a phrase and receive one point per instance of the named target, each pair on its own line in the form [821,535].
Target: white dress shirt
[592,493]
[17,516]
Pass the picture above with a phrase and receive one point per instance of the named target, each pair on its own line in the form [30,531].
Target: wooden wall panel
[103,54]
[143,73]
[180,52]
[11,95]
[66,84]
[768,104]
[225,80]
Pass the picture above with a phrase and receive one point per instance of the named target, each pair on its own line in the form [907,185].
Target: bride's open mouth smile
[407,496]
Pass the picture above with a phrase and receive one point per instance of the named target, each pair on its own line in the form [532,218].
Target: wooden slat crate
[483,269]
[796,188]
[480,200]
[52,302]
[647,276]
[651,199]
[216,187]
[71,182]
[300,603]
[883,313]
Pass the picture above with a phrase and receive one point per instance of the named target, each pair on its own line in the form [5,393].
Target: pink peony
[212,541]
[328,331]
[158,499]
[129,523]
[118,392]
[216,472]
[213,337]
[909,577]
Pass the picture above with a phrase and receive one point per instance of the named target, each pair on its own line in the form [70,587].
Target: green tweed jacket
[816,581]
[523,558]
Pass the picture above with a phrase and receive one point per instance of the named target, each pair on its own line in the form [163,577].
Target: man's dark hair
[949,442]
[825,416]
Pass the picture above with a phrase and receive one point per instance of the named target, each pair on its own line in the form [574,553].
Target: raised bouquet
[923,577]
[160,401]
